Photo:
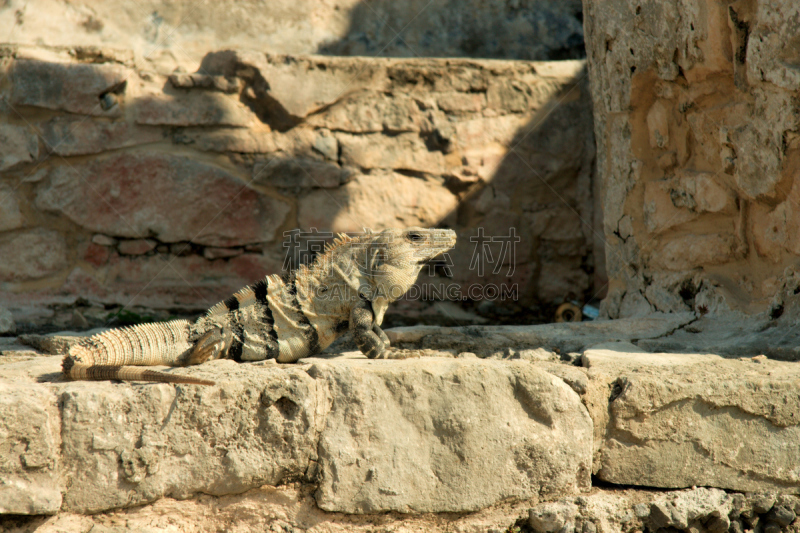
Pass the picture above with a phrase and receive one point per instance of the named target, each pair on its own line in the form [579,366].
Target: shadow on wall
[536,30]
[541,190]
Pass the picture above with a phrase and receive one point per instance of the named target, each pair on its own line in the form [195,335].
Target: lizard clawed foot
[214,344]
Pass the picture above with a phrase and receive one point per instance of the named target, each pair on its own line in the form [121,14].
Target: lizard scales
[285,318]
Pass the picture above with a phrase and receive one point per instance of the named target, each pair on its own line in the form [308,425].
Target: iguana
[348,287]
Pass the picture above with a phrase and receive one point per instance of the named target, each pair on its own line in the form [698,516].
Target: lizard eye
[415,237]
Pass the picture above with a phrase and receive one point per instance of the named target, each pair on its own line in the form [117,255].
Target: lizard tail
[77,371]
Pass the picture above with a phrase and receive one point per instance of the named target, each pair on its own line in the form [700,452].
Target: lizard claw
[214,344]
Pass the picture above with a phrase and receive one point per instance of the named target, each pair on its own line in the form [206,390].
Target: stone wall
[128,183]
[698,148]
[481,428]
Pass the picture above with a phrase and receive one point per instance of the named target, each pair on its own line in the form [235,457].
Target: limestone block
[194,108]
[136,246]
[77,136]
[303,85]
[461,103]
[7,324]
[406,151]
[10,215]
[679,420]
[30,443]
[775,228]
[73,87]
[507,95]
[701,192]
[17,145]
[300,172]
[658,125]
[170,197]
[189,281]
[238,140]
[660,213]
[377,201]
[31,254]
[772,46]
[124,445]
[688,251]
[419,436]
[371,112]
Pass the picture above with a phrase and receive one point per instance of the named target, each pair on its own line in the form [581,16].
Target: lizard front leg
[369,337]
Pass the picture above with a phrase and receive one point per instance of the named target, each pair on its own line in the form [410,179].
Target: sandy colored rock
[7,324]
[30,428]
[67,135]
[196,108]
[716,172]
[406,151]
[565,336]
[136,246]
[412,436]
[17,145]
[139,195]
[76,88]
[127,445]
[31,254]
[10,214]
[379,200]
[682,420]
[376,113]
[300,172]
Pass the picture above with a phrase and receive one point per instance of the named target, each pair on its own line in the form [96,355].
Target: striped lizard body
[285,318]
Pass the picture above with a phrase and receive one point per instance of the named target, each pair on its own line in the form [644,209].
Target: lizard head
[399,254]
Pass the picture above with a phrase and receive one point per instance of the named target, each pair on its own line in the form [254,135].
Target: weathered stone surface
[688,251]
[303,85]
[103,240]
[73,87]
[682,420]
[236,140]
[124,444]
[194,108]
[78,136]
[377,201]
[163,282]
[371,113]
[136,246]
[271,424]
[716,171]
[30,444]
[10,215]
[413,436]
[203,81]
[17,145]
[406,151]
[565,336]
[299,172]
[408,115]
[31,254]
[7,324]
[170,197]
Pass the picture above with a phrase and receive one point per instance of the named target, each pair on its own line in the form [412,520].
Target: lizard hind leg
[214,344]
